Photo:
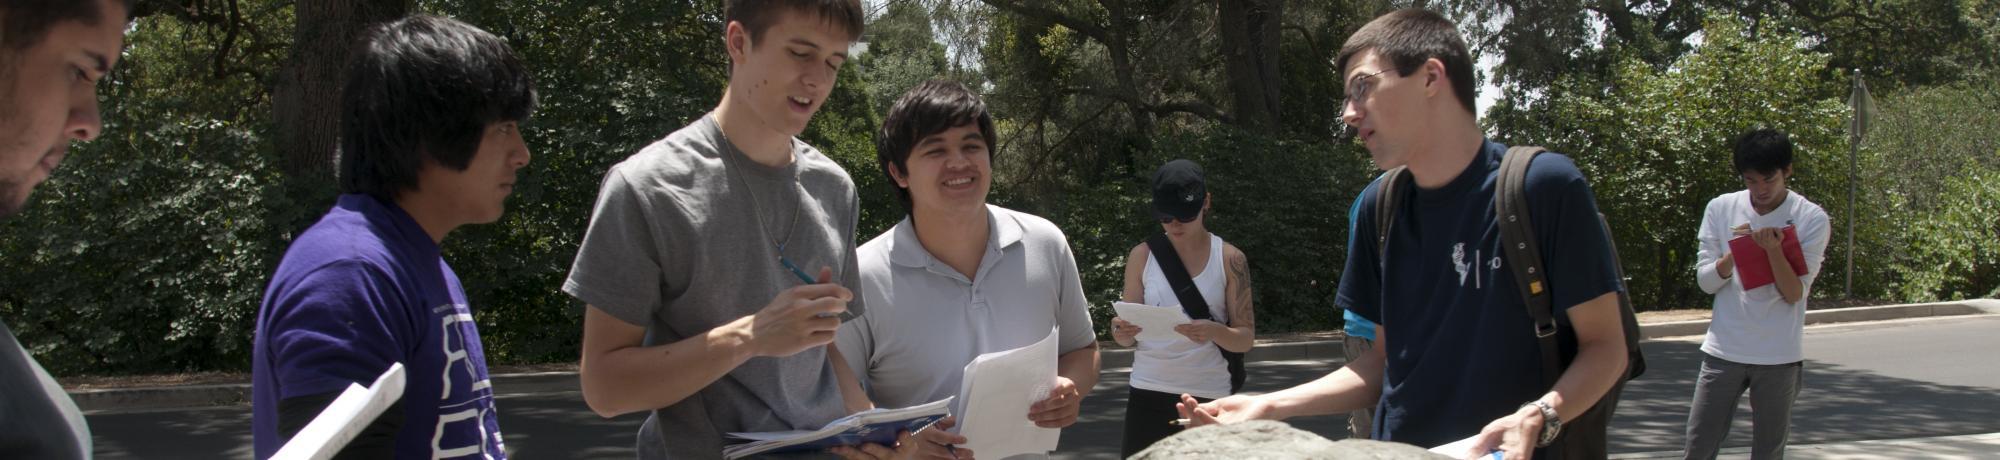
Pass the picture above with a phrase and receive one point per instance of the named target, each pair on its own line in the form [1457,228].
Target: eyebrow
[103,65]
[1360,75]
[936,139]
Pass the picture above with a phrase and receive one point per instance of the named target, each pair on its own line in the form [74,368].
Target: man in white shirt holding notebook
[1754,337]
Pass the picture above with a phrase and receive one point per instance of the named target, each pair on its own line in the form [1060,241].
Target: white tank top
[1180,365]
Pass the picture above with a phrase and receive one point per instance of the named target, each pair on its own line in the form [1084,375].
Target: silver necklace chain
[764,228]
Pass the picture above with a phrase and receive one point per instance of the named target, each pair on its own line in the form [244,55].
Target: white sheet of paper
[1155,322]
[1458,448]
[344,418]
[994,399]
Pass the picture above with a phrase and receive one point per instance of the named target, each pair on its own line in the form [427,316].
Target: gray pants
[1360,422]
[1772,390]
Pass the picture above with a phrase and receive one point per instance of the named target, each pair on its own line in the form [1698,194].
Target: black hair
[759,15]
[24,23]
[924,111]
[1763,150]
[424,87]
[1408,37]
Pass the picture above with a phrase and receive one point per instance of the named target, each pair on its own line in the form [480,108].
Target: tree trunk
[1250,55]
[1118,46]
[307,94]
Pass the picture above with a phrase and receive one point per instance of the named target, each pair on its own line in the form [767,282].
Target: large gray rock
[1264,439]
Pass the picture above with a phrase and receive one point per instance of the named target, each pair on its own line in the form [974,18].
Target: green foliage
[903,52]
[1914,42]
[1954,254]
[1655,144]
[1940,237]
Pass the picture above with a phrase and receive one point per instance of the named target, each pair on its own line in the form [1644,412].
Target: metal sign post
[1857,131]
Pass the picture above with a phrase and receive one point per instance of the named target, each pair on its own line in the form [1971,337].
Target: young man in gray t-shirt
[692,267]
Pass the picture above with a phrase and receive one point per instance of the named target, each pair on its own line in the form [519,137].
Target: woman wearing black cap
[1220,277]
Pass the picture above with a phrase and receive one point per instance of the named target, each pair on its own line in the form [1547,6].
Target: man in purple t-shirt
[430,141]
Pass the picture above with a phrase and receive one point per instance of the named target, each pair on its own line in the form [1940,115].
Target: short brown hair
[759,15]
[1407,38]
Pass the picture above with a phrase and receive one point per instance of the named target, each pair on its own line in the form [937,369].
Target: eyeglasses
[1172,219]
[1359,87]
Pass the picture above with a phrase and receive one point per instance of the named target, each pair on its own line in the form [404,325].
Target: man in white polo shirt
[1754,338]
[959,277]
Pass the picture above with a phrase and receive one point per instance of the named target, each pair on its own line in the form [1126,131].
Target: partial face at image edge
[48,98]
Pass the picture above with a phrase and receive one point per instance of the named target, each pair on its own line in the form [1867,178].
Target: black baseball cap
[1178,190]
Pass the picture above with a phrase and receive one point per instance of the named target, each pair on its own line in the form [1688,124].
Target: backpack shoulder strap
[1523,252]
[1388,199]
[1177,276]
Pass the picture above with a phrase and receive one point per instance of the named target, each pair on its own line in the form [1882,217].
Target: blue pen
[803,277]
[796,271]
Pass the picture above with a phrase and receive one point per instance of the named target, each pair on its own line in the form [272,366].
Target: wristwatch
[1552,424]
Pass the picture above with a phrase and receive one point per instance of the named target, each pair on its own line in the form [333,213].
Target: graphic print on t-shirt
[466,405]
[1467,267]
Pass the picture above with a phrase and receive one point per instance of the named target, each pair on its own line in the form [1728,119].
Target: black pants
[1149,417]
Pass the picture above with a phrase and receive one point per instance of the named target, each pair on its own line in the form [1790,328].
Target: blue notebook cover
[877,426]
[880,433]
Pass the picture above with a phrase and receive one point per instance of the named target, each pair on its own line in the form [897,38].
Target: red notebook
[1754,267]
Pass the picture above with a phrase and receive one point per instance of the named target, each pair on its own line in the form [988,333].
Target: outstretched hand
[1223,411]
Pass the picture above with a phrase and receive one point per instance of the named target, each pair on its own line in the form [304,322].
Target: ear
[1433,76]
[736,40]
[902,180]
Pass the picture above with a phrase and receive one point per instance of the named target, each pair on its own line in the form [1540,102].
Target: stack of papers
[344,418]
[875,426]
[1155,323]
[998,389]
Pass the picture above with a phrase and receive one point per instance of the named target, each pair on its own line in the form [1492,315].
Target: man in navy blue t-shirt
[430,141]
[1456,354]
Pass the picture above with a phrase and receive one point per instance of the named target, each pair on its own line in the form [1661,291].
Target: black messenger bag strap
[1191,300]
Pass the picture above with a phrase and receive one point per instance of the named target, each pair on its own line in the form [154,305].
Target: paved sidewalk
[1311,347]
[1972,446]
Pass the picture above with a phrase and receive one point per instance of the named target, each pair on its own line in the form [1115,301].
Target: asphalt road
[1883,380]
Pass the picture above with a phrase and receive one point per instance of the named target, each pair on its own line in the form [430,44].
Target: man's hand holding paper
[1060,409]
